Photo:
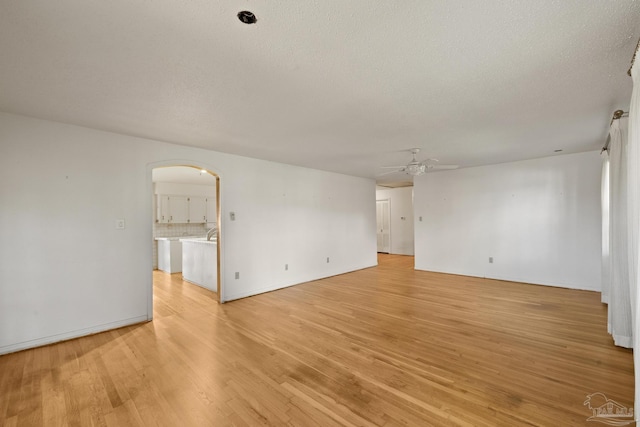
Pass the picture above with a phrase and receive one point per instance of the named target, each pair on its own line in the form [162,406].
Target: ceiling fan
[415,168]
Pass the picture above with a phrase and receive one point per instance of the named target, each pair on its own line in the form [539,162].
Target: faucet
[211,232]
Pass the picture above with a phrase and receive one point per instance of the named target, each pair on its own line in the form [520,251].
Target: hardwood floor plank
[10,381]
[384,346]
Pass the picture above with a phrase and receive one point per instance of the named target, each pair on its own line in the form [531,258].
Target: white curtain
[619,289]
[634,218]
[604,203]
[633,185]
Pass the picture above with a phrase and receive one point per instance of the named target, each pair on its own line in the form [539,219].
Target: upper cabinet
[178,209]
[212,215]
[197,209]
[181,209]
[185,203]
[162,209]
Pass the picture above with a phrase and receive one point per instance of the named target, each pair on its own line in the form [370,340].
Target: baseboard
[12,348]
[517,279]
[544,283]
[275,288]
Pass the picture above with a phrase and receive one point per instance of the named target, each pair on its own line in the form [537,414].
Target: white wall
[401,206]
[539,219]
[65,270]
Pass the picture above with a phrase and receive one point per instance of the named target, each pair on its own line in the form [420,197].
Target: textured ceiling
[332,85]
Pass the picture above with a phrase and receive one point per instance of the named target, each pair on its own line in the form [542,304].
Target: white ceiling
[333,85]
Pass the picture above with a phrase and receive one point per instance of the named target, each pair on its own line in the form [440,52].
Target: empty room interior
[312,213]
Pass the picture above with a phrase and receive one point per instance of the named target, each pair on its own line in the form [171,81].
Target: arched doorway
[186,219]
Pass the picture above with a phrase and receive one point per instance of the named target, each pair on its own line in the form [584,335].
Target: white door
[383,219]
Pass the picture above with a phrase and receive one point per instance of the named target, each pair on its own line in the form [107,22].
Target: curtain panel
[634,219]
[619,289]
[604,204]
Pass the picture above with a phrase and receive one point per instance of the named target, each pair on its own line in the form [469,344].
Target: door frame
[220,226]
[388,200]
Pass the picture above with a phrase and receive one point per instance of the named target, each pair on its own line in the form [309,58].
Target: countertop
[201,240]
[179,237]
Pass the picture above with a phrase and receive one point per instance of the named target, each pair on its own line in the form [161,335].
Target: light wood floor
[383,346]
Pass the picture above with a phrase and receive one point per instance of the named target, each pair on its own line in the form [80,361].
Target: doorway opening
[186,224]
[383,221]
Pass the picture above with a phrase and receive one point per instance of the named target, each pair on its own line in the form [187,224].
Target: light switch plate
[119,224]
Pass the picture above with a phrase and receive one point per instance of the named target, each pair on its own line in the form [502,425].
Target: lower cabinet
[169,255]
[200,263]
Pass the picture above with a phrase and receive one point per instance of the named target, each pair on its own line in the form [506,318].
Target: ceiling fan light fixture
[416,169]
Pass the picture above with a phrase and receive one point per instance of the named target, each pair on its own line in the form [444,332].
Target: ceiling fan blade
[392,167]
[443,167]
[390,172]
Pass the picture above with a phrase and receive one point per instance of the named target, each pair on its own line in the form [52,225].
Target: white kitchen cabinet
[212,214]
[181,209]
[197,210]
[169,254]
[178,209]
[162,209]
[172,209]
[200,262]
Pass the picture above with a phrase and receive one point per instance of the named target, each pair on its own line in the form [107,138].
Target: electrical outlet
[490,260]
[119,224]
[286,267]
[232,215]
[327,260]
[237,275]
[420,219]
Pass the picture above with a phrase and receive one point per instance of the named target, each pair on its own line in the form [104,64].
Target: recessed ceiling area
[396,184]
[338,86]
